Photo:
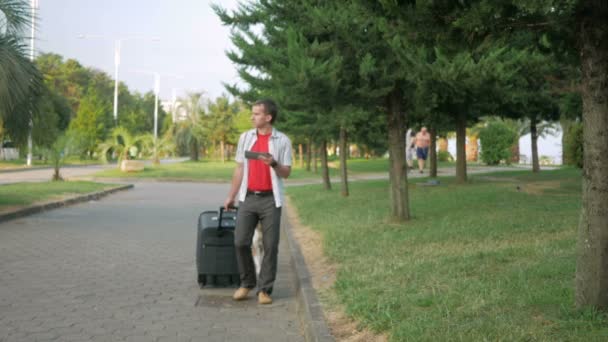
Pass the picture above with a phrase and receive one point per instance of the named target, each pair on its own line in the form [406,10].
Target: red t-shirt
[258,177]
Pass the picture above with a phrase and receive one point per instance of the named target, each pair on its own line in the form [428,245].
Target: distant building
[178,113]
[8,151]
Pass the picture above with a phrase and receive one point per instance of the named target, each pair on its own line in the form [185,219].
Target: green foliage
[191,132]
[82,99]
[163,146]
[574,145]
[20,80]
[496,141]
[92,122]
[137,112]
[444,156]
[220,120]
[65,145]
[121,144]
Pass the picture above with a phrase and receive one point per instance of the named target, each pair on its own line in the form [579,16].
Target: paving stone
[123,269]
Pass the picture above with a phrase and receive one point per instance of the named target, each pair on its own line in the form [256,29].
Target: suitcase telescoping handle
[219,221]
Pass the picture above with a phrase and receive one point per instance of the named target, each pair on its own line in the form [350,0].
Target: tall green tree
[92,123]
[592,263]
[220,121]
[20,80]
[565,24]
[293,61]
[191,133]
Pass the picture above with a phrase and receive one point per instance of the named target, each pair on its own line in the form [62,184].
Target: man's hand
[267,159]
[229,203]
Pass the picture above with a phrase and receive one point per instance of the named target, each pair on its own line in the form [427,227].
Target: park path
[123,269]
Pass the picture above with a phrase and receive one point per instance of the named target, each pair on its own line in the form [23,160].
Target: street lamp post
[157,76]
[156,91]
[116,63]
[117,47]
[174,103]
[34,5]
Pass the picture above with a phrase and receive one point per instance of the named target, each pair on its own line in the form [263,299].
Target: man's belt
[260,193]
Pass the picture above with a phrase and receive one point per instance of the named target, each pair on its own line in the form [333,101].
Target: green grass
[481,262]
[20,163]
[200,171]
[21,194]
[215,171]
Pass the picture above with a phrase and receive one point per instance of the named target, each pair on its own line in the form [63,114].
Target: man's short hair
[269,107]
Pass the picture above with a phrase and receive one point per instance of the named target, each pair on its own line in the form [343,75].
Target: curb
[308,308]
[62,203]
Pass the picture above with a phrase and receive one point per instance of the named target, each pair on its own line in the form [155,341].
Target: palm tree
[20,80]
[222,115]
[190,132]
[122,144]
[61,148]
[157,148]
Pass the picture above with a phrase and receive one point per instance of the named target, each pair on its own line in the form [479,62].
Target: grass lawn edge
[36,207]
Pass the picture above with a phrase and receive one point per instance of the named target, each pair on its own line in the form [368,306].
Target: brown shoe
[241,293]
[264,298]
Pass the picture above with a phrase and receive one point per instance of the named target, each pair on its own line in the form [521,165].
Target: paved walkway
[123,269]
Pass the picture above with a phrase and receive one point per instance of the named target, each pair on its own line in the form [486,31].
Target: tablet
[256,155]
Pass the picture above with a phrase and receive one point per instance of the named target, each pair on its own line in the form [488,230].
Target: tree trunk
[314,158]
[565,124]
[301,155]
[515,151]
[194,150]
[343,157]
[308,154]
[433,152]
[222,151]
[592,262]
[397,171]
[534,140]
[56,174]
[324,166]
[461,158]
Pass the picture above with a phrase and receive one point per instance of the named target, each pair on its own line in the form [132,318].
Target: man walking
[423,141]
[258,186]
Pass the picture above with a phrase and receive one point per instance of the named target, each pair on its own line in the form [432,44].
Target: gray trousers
[253,210]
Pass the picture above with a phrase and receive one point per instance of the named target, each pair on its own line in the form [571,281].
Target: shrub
[444,156]
[573,145]
[496,140]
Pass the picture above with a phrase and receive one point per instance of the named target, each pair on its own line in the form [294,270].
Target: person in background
[423,141]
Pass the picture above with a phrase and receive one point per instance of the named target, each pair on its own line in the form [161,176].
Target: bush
[444,156]
[496,141]
[573,145]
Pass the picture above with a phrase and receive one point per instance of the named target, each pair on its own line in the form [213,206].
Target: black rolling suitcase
[215,252]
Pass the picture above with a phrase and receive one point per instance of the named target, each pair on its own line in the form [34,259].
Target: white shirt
[279,146]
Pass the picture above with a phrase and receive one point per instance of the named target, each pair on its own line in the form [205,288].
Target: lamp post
[157,77]
[117,47]
[174,102]
[34,5]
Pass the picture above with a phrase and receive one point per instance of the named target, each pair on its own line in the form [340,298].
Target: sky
[190,55]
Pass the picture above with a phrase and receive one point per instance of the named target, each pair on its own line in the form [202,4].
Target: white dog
[257,249]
